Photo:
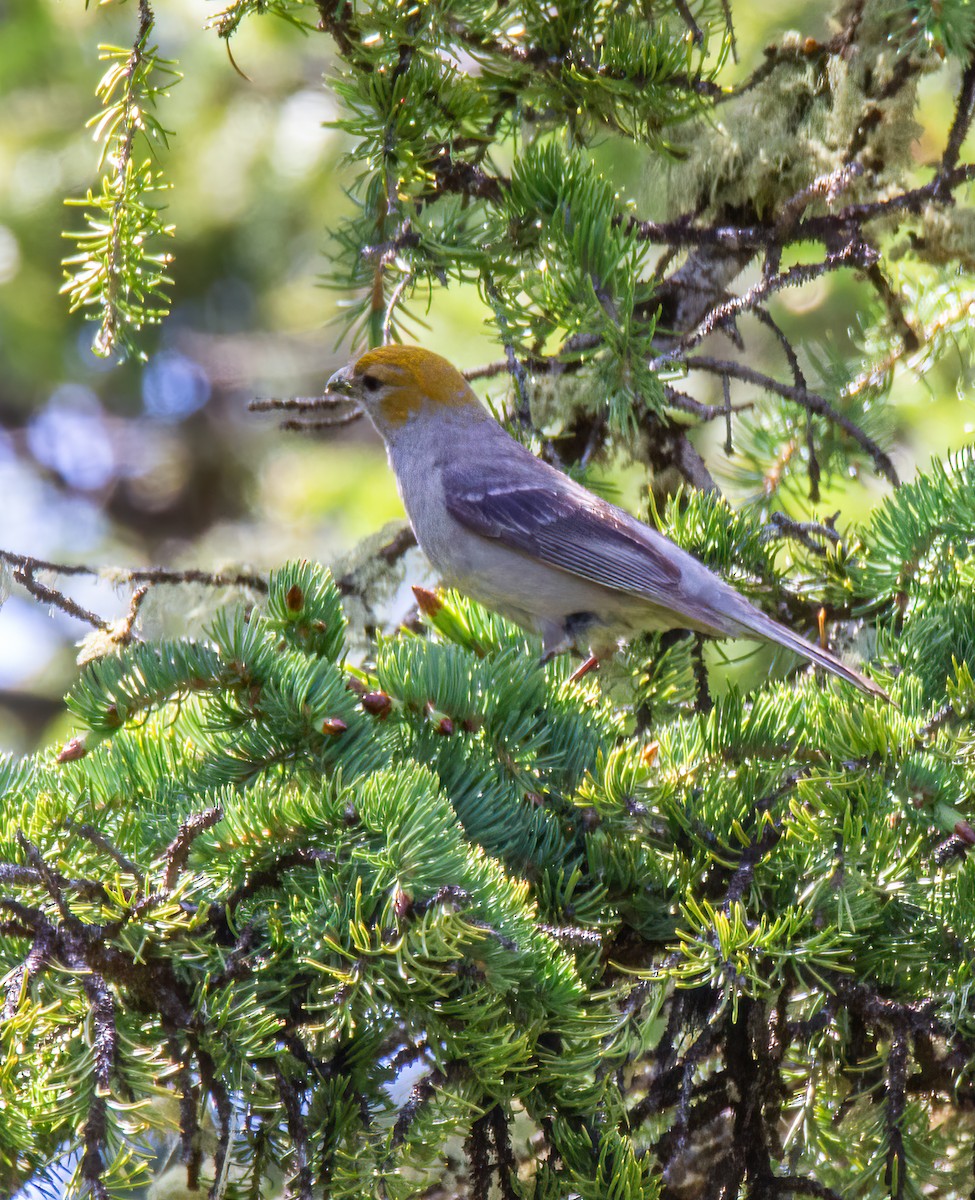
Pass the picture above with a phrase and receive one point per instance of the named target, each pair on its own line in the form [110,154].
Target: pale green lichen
[943,237]
[811,114]
[557,401]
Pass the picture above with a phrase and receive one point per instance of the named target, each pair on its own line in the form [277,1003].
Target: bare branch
[24,575]
[854,254]
[811,401]
[151,575]
[299,404]
[964,113]
[324,423]
[178,850]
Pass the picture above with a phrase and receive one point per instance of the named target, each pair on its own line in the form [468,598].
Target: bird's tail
[752,622]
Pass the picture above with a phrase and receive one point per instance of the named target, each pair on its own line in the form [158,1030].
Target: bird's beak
[341,382]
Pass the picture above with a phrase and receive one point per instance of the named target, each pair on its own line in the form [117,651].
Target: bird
[522,538]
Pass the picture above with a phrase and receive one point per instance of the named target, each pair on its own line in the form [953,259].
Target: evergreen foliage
[119,268]
[449,921]
[278,889]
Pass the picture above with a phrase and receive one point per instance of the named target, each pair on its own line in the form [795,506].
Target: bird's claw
[590,664]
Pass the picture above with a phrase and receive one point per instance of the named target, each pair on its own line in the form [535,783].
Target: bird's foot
[558,637]
[555,641]
[583,669]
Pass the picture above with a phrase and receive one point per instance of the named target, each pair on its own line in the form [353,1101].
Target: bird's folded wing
[572,530]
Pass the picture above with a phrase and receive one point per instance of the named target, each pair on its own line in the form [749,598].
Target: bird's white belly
[537,596]
[527,591]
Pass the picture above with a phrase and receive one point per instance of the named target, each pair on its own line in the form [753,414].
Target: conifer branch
[964,112]
[178,850]
[292,1103]
[811,401]
[115,271]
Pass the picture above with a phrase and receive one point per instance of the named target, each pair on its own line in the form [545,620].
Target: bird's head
[394,385]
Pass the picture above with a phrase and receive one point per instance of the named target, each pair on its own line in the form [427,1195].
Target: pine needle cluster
[299,920]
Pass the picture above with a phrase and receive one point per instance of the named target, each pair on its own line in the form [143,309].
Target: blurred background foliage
[159,461]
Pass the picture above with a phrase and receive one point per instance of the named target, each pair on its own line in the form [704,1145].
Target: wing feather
[533,508]
[569,528]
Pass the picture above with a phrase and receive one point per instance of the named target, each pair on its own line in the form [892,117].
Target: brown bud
[74,749]
[535,799]
[333,726]
[428,602]
[295,598]
[648,755]
[377,704]
[965,833]
[402,903]
[441,722]
[356,685]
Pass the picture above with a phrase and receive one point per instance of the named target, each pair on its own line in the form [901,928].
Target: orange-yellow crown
[411,377]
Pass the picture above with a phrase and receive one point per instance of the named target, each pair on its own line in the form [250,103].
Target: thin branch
[780,525]
[333,422]
[121,575]
[39,955]
[190,1140]
[896,1173]
[826,187]
[895,309]
[122,633]
[479,1167]
[515,368]
[685,14]
[913,200]
[488,371]
[178,850]
[291,1101]
[704,412]
[826,228]
[507,1167]
[132,123]
[105,1048]
[389,553]
[420,1095]
[222,1103]
[98,839]
[298,404]
[272,874]
[813,468]
[24,575]
[798,1185]
[854,254]
[13,874]
[50,880]
[811,401]
[964,113]
[394,300]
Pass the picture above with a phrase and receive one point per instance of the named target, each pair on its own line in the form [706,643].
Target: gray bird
[522,538]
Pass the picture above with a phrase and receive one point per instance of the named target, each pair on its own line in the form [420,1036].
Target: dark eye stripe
[371,383]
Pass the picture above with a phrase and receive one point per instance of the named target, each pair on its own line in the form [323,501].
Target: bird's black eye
[371,383]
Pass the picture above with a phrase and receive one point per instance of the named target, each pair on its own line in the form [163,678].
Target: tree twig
[811,401]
